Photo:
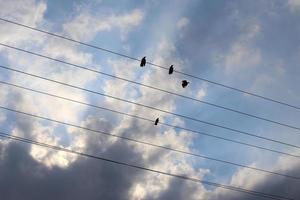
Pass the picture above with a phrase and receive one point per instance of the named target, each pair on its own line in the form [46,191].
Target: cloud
[28,12]
[201,94]
[36,173]
[36,103]
[2,117]
[67,51]
[85,26]
[97,176]
[261,182]
[182,22]
[80,180]
[31,12]
[46,167]
[242,56]
[293,4]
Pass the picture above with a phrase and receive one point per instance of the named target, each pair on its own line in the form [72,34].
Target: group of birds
[184,83]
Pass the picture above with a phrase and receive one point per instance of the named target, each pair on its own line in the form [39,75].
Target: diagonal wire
[163,67]
[154,88]
[146,106]
[152,64]
[145,119]
[214,184]
[148,143]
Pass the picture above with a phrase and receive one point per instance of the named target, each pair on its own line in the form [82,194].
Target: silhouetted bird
[184,83]
[156,121]
[143,62]
[171,69]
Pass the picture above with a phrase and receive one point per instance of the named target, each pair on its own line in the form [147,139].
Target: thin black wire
[157,66]
[154,88]
[214,184]
[150,107]
[149,120]
[152,64]
[149,144]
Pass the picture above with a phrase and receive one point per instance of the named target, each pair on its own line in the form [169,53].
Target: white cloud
[85,26]
[201,93]
[294,4]
[152,184]
[242,56]
[42,104]
[44,134]
[182,23]
[62,49]
[28,12]
[145,131]
[263,82]
[32,13]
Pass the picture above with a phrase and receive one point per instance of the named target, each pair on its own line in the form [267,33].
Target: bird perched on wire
[143,62]
[184,83]
[171,69]
[156,121]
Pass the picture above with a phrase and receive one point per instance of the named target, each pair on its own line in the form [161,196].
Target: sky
[250,45]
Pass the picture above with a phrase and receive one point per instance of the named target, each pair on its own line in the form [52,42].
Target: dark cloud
[271,185]
[216,26]
[22,177]
[213,29]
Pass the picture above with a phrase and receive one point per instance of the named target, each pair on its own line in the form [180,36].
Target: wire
[142,105]
[157,66]
[149,144]
[145,119]
[152,64]
[154,88]
[214,184]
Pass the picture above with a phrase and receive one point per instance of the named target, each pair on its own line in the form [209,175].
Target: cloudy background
[252,46]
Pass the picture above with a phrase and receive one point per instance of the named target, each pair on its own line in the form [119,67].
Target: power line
[145,119]
[152,64]
[142,105]
[174,94]
[214,184]
[154,88]
[149,144]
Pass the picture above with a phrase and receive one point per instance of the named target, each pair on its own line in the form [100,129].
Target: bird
[156,121]
[143,62]
[171,69]
[184,83]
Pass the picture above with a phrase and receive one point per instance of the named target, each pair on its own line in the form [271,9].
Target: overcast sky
[251,45]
